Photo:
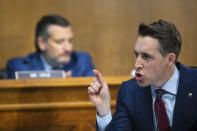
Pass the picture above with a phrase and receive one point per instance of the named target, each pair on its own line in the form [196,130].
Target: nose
[138,63]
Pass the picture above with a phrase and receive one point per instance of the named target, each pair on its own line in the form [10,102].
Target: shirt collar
[172,85]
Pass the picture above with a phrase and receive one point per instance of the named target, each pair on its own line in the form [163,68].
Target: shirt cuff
[104,121]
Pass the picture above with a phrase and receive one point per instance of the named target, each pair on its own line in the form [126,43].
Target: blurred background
[107,29]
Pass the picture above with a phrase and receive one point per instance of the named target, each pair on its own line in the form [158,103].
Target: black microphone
[30,66]
[25,62]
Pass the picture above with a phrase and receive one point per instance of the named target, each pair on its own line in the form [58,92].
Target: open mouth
[138,76]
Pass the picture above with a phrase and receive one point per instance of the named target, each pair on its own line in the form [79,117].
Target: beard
[58,61]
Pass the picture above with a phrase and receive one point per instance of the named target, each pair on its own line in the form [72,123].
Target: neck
[165,77]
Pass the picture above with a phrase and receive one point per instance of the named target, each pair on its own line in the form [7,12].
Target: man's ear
[171,57]
[41,43]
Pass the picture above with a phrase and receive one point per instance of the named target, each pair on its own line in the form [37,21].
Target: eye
[59,41]
[136,54]
[70,40]
[146,56]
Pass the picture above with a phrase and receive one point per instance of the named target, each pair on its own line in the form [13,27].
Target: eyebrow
[59,39]
[142,53]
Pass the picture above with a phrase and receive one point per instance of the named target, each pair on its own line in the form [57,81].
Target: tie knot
[160,92]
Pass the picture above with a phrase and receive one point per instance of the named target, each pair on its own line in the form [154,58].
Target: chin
[142,83]
[64,61]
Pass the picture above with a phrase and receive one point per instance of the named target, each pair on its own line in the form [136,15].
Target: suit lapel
[36,62]
[144,108]
[183,101]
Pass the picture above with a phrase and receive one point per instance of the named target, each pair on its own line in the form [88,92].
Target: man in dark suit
[54,51]
[163,94]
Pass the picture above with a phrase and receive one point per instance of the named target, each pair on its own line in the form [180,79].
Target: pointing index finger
[99,77]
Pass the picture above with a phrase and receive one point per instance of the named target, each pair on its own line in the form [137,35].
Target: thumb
[99,77]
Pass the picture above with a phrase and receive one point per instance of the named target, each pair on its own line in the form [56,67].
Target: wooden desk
[50,104]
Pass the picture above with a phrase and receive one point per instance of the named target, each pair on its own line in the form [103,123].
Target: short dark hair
[166,33]
[43,25]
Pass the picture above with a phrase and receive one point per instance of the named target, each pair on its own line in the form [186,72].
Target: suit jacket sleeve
[10,69]
[122,120]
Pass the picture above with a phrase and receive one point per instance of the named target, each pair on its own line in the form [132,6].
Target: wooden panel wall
[107,29]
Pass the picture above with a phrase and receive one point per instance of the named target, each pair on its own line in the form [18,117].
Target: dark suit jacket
[80,64]
[134,105]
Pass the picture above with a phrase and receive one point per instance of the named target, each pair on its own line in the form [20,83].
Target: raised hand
[99,94]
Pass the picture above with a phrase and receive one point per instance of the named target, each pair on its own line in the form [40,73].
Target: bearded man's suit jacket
[80,64]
